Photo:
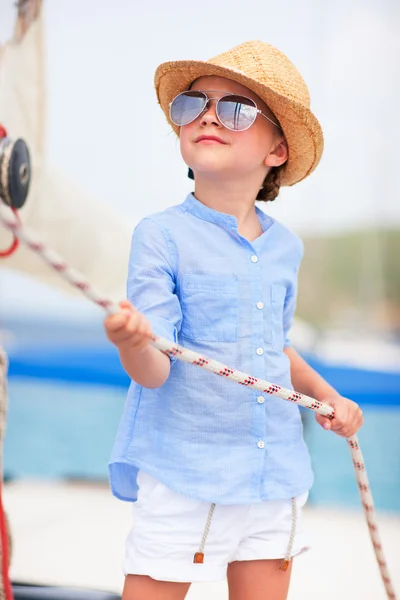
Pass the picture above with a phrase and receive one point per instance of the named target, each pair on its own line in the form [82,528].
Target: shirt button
[254,258]
[261,444]
[260,399]
[260,351]
[260,305]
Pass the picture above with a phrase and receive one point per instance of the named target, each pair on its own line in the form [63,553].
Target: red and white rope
[189,356]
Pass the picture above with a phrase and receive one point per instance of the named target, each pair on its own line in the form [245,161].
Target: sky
[108,134]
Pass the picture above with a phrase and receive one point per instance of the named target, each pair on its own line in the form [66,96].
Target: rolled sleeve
[151,280]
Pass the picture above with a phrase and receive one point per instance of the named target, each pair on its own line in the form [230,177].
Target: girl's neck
[229,199]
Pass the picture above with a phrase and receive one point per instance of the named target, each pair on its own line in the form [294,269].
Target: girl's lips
[209,139]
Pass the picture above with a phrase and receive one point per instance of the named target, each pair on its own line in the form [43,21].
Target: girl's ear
[278,154]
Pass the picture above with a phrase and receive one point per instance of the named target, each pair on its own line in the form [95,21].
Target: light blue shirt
[202,284]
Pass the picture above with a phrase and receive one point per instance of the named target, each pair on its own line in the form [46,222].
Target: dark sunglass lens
[236,112]
[186,107]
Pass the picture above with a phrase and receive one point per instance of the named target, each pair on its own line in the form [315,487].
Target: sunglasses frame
[207,100]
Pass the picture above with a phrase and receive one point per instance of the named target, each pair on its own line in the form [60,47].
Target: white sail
[90,236]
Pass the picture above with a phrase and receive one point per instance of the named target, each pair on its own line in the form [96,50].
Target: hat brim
[300,126]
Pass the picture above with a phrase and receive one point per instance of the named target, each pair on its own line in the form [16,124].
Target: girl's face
[234,154]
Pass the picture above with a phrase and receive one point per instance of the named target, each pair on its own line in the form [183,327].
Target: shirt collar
[192,205]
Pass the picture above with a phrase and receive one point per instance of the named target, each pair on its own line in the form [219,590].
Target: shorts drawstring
[199,556]
[285,565]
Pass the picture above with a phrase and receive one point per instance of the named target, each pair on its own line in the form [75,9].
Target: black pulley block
[15,172]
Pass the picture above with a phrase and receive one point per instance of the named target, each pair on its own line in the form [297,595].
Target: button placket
[258,305]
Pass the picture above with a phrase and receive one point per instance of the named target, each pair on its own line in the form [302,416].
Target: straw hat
[269,74]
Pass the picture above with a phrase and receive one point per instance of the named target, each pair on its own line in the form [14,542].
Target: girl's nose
[209,116]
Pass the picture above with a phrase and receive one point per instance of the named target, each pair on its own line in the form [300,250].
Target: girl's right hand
[128,329]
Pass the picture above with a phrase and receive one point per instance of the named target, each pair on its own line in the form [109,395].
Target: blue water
[57,429]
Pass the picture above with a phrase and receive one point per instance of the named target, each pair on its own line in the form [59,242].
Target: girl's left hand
[348,417]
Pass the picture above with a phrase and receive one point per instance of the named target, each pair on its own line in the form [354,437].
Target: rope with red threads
[13,247]
[191,357]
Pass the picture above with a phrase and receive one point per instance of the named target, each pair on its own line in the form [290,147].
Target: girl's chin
[209,175]
[212,170]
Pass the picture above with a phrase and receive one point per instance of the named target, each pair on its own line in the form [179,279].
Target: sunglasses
[233,111]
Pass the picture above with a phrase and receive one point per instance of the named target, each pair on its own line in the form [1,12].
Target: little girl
[220,472]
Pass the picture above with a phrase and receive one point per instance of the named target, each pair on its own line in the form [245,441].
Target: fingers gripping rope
[76,280]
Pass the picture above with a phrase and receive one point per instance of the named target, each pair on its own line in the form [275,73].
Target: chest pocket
[278,295]
[210,308]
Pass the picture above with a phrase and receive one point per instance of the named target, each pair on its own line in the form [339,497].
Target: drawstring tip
[198,558]
[284,566]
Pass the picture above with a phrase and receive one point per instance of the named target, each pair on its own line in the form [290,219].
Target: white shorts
[169,527]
